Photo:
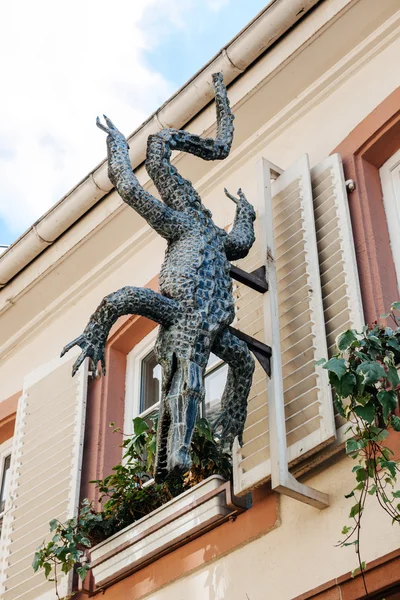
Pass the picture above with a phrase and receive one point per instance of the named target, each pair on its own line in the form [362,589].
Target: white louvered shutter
[341,294]
[45,474]
[307,395]
[250,309]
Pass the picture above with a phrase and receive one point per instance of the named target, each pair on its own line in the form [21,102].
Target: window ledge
[200,509]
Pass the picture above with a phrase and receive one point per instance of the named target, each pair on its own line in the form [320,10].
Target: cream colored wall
[306,105]
[280,122]
[295,557]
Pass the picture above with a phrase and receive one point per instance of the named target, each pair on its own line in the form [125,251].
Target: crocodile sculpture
[195,304]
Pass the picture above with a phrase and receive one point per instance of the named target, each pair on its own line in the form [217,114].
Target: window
[5,462]
[390,178]
[143,383]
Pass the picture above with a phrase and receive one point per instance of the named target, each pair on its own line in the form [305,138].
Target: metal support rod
[261,351]
[256,280]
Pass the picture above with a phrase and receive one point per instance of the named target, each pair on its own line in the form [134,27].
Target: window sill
[185,517]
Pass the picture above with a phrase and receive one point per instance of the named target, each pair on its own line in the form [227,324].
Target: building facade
[315,89]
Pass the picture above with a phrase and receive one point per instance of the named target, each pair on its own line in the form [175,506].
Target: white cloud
[216,5]
[63,64]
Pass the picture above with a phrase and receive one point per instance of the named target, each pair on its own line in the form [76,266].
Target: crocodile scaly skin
[195,304]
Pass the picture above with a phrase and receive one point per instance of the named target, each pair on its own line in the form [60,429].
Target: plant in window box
[126,497]
[365,379]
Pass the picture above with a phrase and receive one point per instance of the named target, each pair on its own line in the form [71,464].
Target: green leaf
[361,355]
[356,468]
[366,412]
[393,343]
[82,571]
[390,465]
[349,495]
[395,306]
[337,366]
[37,560]
[375,341]
[393,376]
[47,569]
[345,339]
[362,475]
[139,426]
[321,361]
[382,435]
[352,446]
[345,386]
[371,372]
[346,530]
[395,422]
[338,404]
[388,401]
[355,510]
[350,543]
[204,429]
[386,453]
[372,490]
[396,494]
[53,524]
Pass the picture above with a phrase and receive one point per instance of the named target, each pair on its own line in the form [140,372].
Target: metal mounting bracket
[256,280]
[261,351]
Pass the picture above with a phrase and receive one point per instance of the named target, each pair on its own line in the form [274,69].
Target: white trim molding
[197,510]
[390,179]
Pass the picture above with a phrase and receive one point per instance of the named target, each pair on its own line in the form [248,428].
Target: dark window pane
[215,382]
[4,482]
[215,385]
[150,387]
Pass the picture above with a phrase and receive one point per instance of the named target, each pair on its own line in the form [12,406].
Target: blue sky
[67,62]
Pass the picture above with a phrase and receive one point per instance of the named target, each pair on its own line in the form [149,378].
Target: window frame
[5,452]
[366,148]
[133,380]
[391,201]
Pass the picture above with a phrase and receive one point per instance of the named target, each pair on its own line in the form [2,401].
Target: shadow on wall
[217,581]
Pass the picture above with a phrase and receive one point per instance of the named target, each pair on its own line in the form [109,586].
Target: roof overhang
[235,58]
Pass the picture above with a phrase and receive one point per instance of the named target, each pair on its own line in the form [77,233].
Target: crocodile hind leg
[234,399]
[216,148]
[174,189]
[180,403]
[126,301]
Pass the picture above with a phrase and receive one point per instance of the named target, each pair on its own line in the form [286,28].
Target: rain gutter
[265,29]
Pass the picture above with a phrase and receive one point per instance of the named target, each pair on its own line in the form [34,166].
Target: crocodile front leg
[239,241]
[126,301]
[164,220]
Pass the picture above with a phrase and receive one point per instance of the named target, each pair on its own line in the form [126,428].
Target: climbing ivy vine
[364,376]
